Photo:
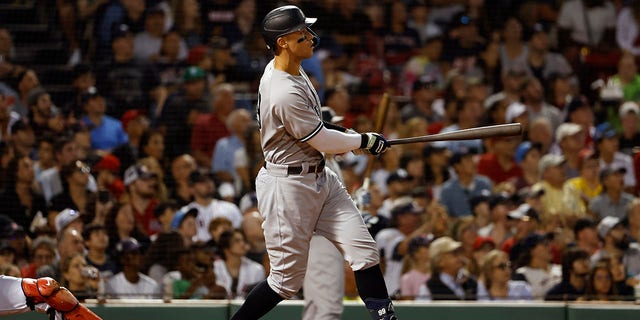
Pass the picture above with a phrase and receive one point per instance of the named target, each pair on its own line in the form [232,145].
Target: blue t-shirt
[108,135]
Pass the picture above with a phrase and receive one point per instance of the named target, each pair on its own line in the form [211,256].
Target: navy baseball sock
[259,301]
[373,292]
[370,283]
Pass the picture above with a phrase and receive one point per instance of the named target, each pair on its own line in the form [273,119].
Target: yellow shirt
[577,194]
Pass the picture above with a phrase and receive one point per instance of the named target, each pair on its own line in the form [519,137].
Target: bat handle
[366,183]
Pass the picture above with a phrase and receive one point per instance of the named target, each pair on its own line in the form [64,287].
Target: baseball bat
[501,130]
[381,116]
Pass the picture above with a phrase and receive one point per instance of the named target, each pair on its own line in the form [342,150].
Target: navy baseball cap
[199,176]
[128,245]
[399,175]
[405,207]
[531,241]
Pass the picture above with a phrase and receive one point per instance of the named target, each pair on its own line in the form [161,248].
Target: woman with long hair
[495,279]
[235,272]
[600,284]
[80,278]
[20,201]
[121,224]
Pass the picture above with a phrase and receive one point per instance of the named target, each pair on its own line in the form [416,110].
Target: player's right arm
[336,142]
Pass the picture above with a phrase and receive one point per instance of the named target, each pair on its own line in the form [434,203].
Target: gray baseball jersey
[295,205]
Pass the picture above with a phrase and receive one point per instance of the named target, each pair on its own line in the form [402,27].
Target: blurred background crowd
[128,145]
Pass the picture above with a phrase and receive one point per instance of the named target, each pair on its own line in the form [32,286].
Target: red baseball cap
[130,115]
[108,162]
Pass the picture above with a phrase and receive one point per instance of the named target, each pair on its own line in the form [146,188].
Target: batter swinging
[296,193]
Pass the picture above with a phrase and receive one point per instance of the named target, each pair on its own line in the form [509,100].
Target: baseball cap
[480,242]
[399,175]
[431,148]
[426,81]
[193,73]
[135,172]
[607,171]
[199,176]
[91,93]
[128,245]
[523,149]
[130,115]
[65,217]
[514,110]
[584,155]
[459,155]
[34,95]
[583,223]
[550,160]
[498,199]
[443,245]
[529,192]
[540,27]
[606,224]
[108,162]
[196,54]
[9,228]
[576,103]
[20,125]
[180,215]
[567,129]
[629,107]
[461,19]
[329,115]
[604,131]
[524,212]
[418,242]
[475,200]
[120,31]
[405,205]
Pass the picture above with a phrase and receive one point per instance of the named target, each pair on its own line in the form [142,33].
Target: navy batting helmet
[284,20]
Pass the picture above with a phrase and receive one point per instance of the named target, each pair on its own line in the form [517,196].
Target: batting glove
[374,143]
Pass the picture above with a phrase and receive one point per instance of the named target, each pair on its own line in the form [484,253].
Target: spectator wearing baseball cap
[534,264]
[613,200]
[585,187]
[68,218]
[398,184]
[499,165]
[617,244]
[423,95]
[446,266]
[527,156]
[607,146]
[393,241]
[525,220]
[418,257]
[184,222]
[106,131]
[134,123]
[570,139]
[130,283]
[141,184]
[551,168]
[629,120]
[457,191]
[107,173]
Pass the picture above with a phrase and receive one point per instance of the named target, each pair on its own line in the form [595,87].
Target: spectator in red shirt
[209,128]
[499,164]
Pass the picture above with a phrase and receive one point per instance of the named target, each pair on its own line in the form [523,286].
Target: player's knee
[286,289]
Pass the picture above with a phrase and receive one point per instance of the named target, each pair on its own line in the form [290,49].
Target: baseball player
[18,295]
[296,194]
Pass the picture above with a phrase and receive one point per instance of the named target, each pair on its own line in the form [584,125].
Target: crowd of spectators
[141,185]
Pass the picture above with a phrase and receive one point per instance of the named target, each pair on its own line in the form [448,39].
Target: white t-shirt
[146,288]
[251,273]
[216,208]
[541,280]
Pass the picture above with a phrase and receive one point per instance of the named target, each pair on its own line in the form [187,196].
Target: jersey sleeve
[298,116]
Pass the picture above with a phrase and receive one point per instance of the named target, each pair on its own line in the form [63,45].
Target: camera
[90,272]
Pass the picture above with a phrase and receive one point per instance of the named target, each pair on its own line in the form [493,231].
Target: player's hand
[374,143]
[362,197]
